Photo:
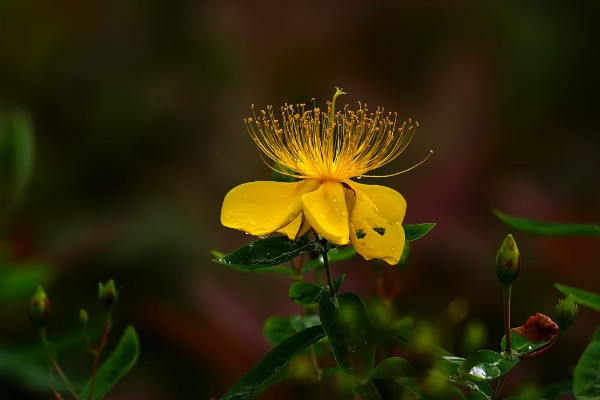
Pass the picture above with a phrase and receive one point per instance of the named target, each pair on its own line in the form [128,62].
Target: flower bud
[39,308]
[107,294]
[83,317]
[508,261]
[566,312]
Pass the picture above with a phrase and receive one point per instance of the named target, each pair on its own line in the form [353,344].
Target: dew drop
[344,213]
[393,249]
[253,223]
[322,215]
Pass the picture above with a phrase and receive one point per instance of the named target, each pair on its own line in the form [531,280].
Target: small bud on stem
[508,261]
[566,312]
[107,294]
[39,308]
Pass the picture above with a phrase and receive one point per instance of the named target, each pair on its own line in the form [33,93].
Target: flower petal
[260,208]
[291,229]
[390,204]
[387,244]
[325,209]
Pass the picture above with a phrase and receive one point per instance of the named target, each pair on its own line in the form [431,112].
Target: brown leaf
[538,328]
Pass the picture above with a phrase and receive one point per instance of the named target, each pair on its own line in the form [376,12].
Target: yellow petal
[325,209]
[291,230]
[387,246]
[390,204]
[260,208]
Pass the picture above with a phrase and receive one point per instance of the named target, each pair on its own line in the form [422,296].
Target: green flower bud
[39,308]
[508,261]
[83,317]
[107,294]
[566,312]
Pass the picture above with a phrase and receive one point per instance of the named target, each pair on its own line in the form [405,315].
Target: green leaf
[277,329]
[305,293]
[586,380]
[521,345]
[119,363]
[486,365]
[258,378]
[582,297]
[265,253]
[334,255]
[346,322]
[448,366]
[390,368]
[414,232]
[16,156]
[544,228]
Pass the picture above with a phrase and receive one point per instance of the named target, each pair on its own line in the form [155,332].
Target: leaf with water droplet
[267,254]
[486,365]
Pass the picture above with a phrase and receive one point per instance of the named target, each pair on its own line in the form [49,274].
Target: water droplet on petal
[322,215]
[253,223]
[344,213]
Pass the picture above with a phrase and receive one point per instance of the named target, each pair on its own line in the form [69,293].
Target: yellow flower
[324,150]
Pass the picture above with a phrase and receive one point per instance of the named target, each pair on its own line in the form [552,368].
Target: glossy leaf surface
[486,365]
[544,228]
[586,380]
[305,293]
[393,367]
[414,232]
[265,253]
[581,297]
[521,345]
[264,372]
[346,322]
[120,362]
[448,367]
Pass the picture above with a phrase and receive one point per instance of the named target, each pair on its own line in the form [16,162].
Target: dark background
[138,107]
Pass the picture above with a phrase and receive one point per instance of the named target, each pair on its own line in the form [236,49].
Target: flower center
[332,145]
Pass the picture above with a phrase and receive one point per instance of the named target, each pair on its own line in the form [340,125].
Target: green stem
[506,297]
[56,366]
[96,352]
[324,243]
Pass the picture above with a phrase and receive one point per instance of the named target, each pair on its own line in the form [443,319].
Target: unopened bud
[107,294]
[566,312]
[83,317]
[39,307]
[508,261]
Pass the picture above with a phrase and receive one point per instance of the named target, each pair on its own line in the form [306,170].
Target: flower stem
[324,243]
[506,297]
[96,352]
[56,366]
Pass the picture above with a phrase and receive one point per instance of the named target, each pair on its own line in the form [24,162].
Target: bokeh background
[137,108]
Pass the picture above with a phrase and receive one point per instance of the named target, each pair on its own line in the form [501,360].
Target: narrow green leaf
[265,253]
[521,345]
[16,156]
[486,365]
[256,380]
[334,255]
[119,363]
[582,297]
[305,293]
[544,228]
[414,232]
[586,380]
[346,322]
[390,368]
